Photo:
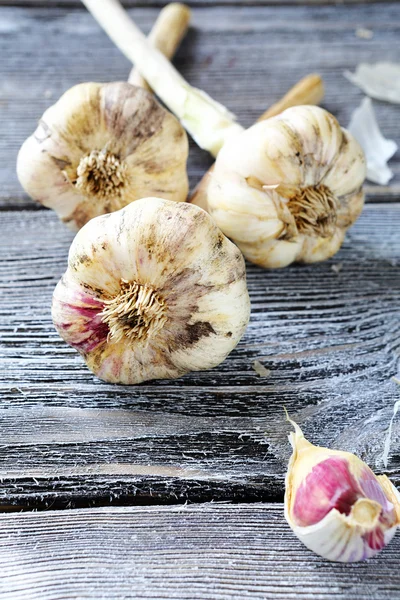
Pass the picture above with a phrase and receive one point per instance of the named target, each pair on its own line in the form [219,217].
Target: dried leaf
[381,80]
[377,149]
[260,369]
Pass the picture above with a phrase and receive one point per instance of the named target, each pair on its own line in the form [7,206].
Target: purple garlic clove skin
[336,505]
[152,291]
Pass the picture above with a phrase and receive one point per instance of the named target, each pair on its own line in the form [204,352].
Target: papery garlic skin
[287,189]
[336,505]
[100,147]
[378,150]
[152,291]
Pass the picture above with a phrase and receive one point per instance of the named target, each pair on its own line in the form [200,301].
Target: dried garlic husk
[380,80]
[284,190]
[100,147]
[154,290]
[336,505]
[378,150]
[289,187]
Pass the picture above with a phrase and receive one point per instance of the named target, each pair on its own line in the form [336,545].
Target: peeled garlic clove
[154,290]
[100,147]
[336,505]
[286,189]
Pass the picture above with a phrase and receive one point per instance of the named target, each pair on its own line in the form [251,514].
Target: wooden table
[173,489]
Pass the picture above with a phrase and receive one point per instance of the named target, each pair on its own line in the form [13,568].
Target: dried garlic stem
[207,121]
[166,35]
[309,90]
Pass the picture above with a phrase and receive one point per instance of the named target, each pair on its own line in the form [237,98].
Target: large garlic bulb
[152,291]
[100,147]
[336,505]
[287,188]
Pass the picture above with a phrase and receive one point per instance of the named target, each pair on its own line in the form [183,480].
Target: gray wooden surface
[209,551]
[194,3]
[329,334]
[331,341]
[246,57]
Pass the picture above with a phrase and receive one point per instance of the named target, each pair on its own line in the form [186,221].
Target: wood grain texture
[246,57]
[329,334]
[207,552]
[195,3]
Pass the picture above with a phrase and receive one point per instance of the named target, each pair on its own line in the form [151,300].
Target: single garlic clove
[289,187]
[100,147]
[154,290]
[336,505]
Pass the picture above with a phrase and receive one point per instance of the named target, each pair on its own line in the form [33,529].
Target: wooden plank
[195,3]
[329,334]
[245,57]
[210,551]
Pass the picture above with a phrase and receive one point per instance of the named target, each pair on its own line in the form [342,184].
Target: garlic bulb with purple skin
[336,505]
[152,291]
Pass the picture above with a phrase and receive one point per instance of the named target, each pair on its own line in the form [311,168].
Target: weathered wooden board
[329,333]
[245,57]
[211,551]
[195,3]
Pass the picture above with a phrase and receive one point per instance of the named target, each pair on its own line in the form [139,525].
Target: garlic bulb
[336,505]
[289,187]
[308,90]
[154,290]
[286,189]
[100,147]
